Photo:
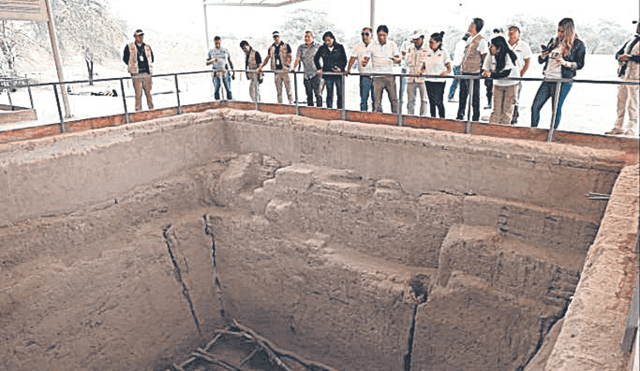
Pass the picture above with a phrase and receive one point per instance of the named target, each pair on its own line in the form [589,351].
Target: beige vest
[132,67]
[472,60]
[252,66]
[283,56]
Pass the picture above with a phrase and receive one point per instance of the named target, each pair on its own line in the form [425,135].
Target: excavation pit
[362,247]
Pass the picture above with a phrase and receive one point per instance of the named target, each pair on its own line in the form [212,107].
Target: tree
[86,28]
[301,20]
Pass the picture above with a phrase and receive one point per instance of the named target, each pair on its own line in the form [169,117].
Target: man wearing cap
[366,81]
[414,59]
[629,71]
[474,54]
[305,54]
[382,56]
[139,58]
[280,57]
[523,52]
[218,57]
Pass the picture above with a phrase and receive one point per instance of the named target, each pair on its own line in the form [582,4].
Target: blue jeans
[227,84]
[366,90]
[547,90]
[454,84]
[332,81]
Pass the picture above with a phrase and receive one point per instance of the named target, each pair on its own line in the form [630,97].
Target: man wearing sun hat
[139,58]
[280,56]
[629,71]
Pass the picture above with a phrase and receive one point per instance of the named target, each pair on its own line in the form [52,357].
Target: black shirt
[258,59]
[276,54]
[143,63]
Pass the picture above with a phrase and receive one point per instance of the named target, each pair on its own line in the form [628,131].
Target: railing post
[295,87]
[9,96]
[556,98]
[30,94]
[124,103]
[470,90]
[177,94]
[400,121]
[343,113]
[55,91]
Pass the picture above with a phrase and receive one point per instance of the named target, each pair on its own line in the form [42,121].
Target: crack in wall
[214,256]
[545,327]
[420,290]
[168,236]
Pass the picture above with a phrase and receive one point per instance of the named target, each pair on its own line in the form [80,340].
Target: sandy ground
[589,108]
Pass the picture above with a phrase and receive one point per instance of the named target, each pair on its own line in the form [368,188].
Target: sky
[186,17]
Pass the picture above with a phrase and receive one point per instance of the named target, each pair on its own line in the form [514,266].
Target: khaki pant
[387,83]
[254,89]
[628,101]
[504,100]
[142,81]
[411,94]
[280,78]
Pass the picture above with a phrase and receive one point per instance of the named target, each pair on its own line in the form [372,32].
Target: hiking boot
[630,133]
[614,131]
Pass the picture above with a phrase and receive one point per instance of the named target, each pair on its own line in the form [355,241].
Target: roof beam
[260,4]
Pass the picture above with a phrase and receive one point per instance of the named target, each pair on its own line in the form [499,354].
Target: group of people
[500,62]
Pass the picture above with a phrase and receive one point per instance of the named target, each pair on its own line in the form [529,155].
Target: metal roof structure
[254,3]
[264,4]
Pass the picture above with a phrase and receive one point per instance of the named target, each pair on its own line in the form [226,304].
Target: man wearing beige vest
[474,54]
[139,58]
[280,57]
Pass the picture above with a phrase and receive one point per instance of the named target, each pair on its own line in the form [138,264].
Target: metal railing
[398,76]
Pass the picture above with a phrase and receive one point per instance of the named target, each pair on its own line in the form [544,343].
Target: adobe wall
[123,247]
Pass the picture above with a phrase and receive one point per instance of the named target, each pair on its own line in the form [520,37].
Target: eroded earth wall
[122,247]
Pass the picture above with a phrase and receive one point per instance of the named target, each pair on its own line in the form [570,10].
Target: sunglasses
[276,36]
[365,34]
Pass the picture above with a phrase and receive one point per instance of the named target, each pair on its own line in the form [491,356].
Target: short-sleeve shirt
[381,56]
[490,65]
[522,50]
[306,54]
[219,57]
[359,51]
[434,63]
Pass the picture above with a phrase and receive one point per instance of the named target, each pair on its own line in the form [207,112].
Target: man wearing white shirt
[474,54]
[523,52]
[382,56]
[366,81]
[414,59]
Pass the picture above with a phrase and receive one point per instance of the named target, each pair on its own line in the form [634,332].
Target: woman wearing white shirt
[436,63]
[501,64]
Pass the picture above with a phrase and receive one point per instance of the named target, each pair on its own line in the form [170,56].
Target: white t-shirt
[359,51]
[522,50]
[490,65]
[434,64]
[380,56]
[554,69]
[458,52]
